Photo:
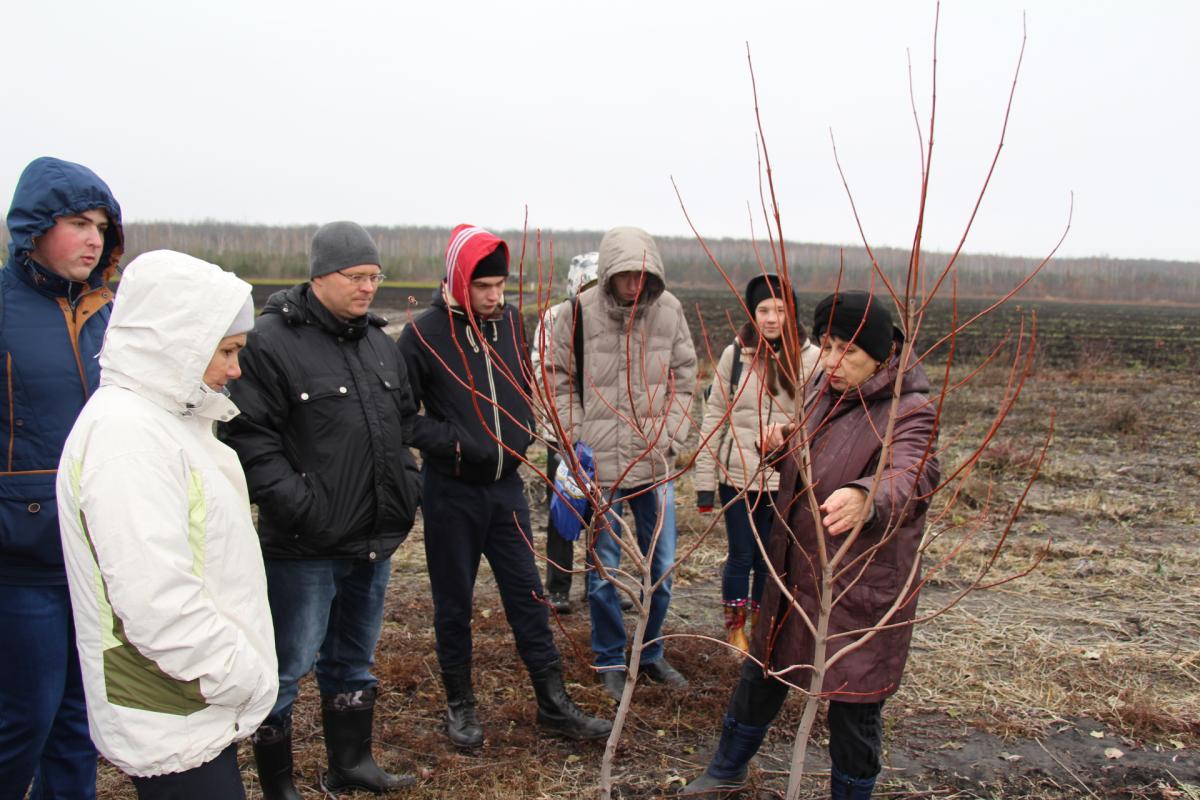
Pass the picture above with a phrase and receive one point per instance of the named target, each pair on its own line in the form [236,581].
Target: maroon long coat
[846,444]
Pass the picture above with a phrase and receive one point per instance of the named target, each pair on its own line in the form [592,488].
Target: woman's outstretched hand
[844,509]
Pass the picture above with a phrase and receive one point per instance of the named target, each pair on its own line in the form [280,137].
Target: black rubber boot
[726,773]
[462,723]
[273,757]
[347,719]
[557,713]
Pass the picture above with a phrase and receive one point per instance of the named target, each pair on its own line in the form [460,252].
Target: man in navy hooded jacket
[467,364]
[65,241]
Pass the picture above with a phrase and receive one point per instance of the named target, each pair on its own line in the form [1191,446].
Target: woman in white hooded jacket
[164,566]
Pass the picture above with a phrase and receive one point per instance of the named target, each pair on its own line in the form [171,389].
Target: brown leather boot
[735,627]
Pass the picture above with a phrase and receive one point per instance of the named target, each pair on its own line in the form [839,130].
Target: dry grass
[1107,629]
[1108,637]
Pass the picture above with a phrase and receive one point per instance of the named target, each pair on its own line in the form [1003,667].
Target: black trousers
[855,729]
[218,779]
[560,553]
[462,522]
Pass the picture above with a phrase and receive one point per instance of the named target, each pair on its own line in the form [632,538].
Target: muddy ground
[1081,679]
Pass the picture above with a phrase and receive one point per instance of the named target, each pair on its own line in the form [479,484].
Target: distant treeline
[415,254]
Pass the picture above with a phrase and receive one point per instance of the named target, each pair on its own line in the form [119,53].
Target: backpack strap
[577,342]
[735,371]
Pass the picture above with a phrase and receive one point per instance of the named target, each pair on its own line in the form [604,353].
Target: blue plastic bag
[569,503]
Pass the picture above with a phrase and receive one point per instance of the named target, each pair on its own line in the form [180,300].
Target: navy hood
[50,188]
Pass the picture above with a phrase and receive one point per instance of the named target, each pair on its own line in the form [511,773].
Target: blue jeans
[327,613]
[608,628]
[743,549]
[43,717]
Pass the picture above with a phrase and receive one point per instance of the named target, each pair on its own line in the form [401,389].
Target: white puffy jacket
[166,576]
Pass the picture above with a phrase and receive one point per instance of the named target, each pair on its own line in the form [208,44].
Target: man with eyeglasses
[326,412]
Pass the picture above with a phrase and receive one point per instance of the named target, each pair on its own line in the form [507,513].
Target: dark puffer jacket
[51,330]
[443,353]
[326,412]
[879,577]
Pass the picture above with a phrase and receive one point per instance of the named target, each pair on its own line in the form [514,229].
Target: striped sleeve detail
[197,516]
[130,678]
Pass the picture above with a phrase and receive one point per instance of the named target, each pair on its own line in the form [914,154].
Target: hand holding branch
[775,436]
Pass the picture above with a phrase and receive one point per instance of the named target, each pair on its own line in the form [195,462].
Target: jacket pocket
[328,407]
[400,506]
[29,519]
[314,519]
[873,593]
[315,393]
[317,436]
[474,450]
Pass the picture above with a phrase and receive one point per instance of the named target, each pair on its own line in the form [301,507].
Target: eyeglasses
[358,280]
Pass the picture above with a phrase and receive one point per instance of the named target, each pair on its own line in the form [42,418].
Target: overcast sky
[435,113]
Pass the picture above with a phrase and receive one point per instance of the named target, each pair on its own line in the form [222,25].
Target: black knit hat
[841,315]
[764,287]
[493,265]
[339,245]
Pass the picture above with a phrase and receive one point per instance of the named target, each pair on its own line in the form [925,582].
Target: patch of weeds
[1003,457]
[1125,419]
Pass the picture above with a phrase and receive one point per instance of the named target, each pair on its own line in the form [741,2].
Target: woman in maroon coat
[876,578]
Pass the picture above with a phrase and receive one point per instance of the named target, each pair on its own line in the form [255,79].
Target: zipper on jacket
[12,423]
[75,327]
[487,360]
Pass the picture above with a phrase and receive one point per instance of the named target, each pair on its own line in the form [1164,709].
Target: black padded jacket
[326,415]
[458,433]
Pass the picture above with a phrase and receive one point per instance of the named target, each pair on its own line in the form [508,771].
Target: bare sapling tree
[829,571]
[834,565]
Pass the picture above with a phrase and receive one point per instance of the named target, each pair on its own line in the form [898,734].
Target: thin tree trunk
[800,745]
[635,660]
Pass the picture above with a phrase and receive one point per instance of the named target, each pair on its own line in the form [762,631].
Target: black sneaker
[561,602]
[662,672]
[626,601]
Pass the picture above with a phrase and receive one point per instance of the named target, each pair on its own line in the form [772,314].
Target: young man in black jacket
[467,363]
[326,413]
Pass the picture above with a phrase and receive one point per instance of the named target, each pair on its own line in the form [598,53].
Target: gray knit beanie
[244,321]
[338,245]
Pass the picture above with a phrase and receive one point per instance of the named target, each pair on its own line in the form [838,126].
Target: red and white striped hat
[468,246]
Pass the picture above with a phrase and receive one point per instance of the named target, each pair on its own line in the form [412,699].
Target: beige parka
[728,451]
[639,368]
